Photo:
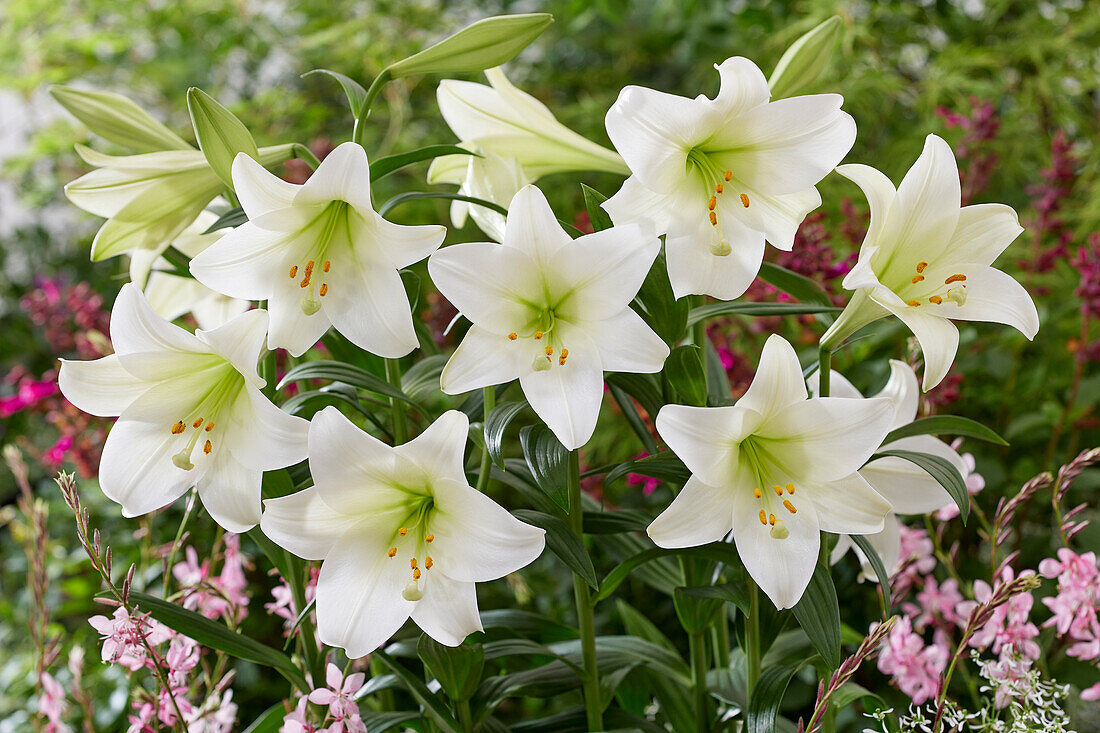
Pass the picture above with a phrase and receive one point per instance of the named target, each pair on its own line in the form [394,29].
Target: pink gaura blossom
[340,693]
[211,595]
[1009,624]
[648,483]
[916,556]
[123,635]
[916,669]
[51,705]
[936,605]
[1077,601]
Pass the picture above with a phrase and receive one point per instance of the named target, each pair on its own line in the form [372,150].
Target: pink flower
[936,604]
[51,704]
[232,580]
[194,578]
[55,454]
[217,715]
[916,557]
[916,669]
[340,693]
[297,721]
[648,483]
[283,606]
[182,657]
[1091,694]
[1075,606]
[123,636]
[1009,625]
[975,482]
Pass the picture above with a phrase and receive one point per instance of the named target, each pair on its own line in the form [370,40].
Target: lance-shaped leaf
[818,613]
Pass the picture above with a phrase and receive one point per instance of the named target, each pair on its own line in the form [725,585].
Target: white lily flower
[719,176]
[320,255]
[908,487]
[172,296]
[492,178]
[927,260]
[190,413]
[776,468]
[552,311]
[400,531]
[150,198]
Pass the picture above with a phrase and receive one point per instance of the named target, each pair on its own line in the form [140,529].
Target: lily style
[320,255]
[190,413]
[150,198]
[776,468]
[399,531]
[552,311]
[720,176]
[928,260]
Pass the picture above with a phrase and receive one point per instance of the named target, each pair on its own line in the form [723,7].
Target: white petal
[826,438]
[778,215]
[291,328]
[100,387]
[937,336]
[781,567]
[264,437]
[260,192]
[602,272]
[448,610]
[106,191]
[706,438]
[439,450]
[135,328]
[699,514]
[839,386]
[742,87]
[245,263]
[907,486]
[482,359]
[778,381]
[474,110]
[567,397]
[137,470]
[231,493]
[984,231]
[880,193]
[239,342]
[694,270]
[366,302]
[628,344]
[847,505]
[304,524]
[995,297]
[486,283]
[158,215]
[635,203]
[352,470]
[926,210]
[402,245]
[359,603]
[903,392]
[344,175]
[532,228]
[476,539]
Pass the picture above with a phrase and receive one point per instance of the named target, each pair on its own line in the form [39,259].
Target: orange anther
[513,336]
[178,428]
[763,517]
[790,507]
[293,271]
[756,493]
[538,335]
[954,279]
[412,563]
[428,562]
[416,574]
[712,203]
[324,289]
[392,552]
[917,279]
[429,537]
[913,303]
[208,447]
[198,422]
[718,188]
[403,531]
[921,265]
[745,200]
[728,175]
[325,266]
[209,426]
[935,299]
[713,219]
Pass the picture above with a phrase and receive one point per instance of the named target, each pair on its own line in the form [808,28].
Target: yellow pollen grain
[771,519]
[294,271]
[778,490]
[208,447]
[790,488]
[392,552]
[921,265]
[538,335]
[954,279]
[403,531]
[429,537]
[412,563]
[513,336]
[307,275]
[549,350]
[756,493]
[324,289]
[325,266]
[763,517]
[917,278]
[209,426]
[713,219]
[718,188]
[416,574]
[712,203]
[728,175]
[935,299]
[428,562]
[913,303]
[563,357]
[198,422]
[178,428]
[790,507]
[745,200]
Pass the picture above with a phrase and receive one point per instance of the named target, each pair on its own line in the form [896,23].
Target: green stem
[490,397]
[698,650]
[465,719]
[359,133]
[269,373]
[303,153]
[722,639]
[191,499]
[752,639]
[400,425]
[585,619]
[825,367]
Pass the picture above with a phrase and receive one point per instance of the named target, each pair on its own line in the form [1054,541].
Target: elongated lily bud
[115,118]
[220,134]
[482,45]
[804,61]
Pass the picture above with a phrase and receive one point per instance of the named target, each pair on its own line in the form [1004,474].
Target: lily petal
[880,193]
[448,610]
[995,297]
[439,450]
[231,493]
[694,270]
[136,470]
[291,328]
[927,205]
[848,505]
[350,468]
[239,342]
[937,336]
[604,271]
[100,387]
[487,283]
[532,228]
[260,191]
[778,381]
[265,437]
[903,391]
[482,359]
[136,328]
[366,302]
[705,438]
[908,487]
[304,524]
[742,86]
[699,514]
[984,231]
[628,344]
[344,175]
[568,397]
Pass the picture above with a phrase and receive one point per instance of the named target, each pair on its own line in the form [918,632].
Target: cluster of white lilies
[399,530]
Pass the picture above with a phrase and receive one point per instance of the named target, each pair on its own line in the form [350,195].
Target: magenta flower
[1075,606]
[51,704]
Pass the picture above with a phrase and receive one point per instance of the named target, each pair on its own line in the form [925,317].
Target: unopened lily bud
[220,134]
[804,60]
[482,45]
[115,118]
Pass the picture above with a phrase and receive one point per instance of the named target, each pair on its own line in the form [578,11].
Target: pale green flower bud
[115,118]
[220,134]
[804,61]
[482,45]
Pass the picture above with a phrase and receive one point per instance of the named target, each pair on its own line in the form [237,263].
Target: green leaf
[457,668]
[719,551]
[793,284]
[642,387]
[114,117]
[713,310]
[482,45]
[216,636]
[949,424]
[665,466]
[354,91]
[718,381]
[526,623]
[433,706]
[495,425]
[411,282]
[684,371]
[270,721]
[695,613]
[563,542]
[940,469]
[546,457]
[338,371]
[232,218]
[599,218]
[734,592]
[658,306]
[849,692]
[766,696]
[402,198]
[876,562]
[818,613]
[384,166]
[614,522]
[220,134]
[382,722]
[422,378]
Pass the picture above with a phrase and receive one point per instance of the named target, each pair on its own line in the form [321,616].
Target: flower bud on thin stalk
[1006,512]
[1066,476]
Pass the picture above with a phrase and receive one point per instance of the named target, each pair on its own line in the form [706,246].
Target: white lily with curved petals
[552,311]
[928,260]
[190,413]
[776,468]
[399,531]
[720,176]
[492,178]
[320,255]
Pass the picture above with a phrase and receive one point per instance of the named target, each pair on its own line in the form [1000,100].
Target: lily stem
[400,426]
[359,133]
[490,398]
[824,366]
[752,639]
[585,618]
[464,718]
[698,649]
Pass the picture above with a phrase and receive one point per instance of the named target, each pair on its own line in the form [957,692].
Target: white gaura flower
[190,413]
[552,311]
[719,176]
[172,296]
[400,532]
[927,260]
[150,198]
[776,468]
[320,255]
